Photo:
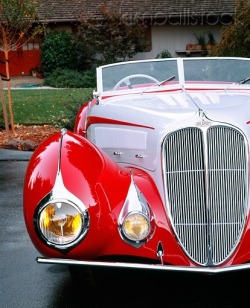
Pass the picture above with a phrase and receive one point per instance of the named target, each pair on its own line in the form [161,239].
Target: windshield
[158,72]
[138,73]
[216,69]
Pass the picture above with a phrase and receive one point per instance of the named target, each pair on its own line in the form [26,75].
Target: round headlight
[136,226]
[60,222]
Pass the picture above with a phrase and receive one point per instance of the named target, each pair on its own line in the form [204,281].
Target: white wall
[175,38]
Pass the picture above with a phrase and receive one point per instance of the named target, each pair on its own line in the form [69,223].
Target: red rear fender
[81,118]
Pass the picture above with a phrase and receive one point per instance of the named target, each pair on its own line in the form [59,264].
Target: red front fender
[102,187]
[86,171]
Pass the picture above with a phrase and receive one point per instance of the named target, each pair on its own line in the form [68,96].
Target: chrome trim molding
[172,268]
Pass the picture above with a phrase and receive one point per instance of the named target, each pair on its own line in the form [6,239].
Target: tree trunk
[5,114]
[6,54]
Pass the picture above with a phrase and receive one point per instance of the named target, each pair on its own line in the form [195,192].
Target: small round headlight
[60,222]
[136,226]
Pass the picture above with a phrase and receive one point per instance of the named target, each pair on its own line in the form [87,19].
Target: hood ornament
[204,122]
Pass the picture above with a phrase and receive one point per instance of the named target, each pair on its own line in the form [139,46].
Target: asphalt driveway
[10,155]
[25,283]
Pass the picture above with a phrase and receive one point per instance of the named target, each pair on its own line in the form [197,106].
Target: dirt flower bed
[34,133]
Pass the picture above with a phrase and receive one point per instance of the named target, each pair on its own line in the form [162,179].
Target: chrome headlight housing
[136,223]
[61,223]
[136,226]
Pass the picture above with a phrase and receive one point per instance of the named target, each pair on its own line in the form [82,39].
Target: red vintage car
[155,174]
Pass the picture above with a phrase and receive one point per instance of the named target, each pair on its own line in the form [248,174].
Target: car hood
[225,106]
[229,106]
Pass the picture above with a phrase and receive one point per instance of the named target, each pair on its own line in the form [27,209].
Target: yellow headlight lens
[136,226]
[60,222]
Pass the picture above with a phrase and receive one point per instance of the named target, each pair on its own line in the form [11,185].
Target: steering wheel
[126,80]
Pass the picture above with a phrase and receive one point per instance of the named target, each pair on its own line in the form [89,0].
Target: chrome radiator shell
[206,176]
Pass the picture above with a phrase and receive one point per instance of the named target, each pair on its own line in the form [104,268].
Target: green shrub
[164,54]
[58,50]
[69,116]
[67,78]
[89,77]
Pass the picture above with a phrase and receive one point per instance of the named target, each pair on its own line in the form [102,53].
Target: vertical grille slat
[206,176]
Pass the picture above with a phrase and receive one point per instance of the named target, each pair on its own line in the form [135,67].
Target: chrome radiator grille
[206,186]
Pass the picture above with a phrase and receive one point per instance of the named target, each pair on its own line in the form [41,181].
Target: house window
[33,44]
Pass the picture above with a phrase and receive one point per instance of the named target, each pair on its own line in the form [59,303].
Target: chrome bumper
[172,268]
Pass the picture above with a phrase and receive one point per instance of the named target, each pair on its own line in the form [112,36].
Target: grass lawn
[45,106]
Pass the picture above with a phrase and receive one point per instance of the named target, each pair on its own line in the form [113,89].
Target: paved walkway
[23,81]
[7,155]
